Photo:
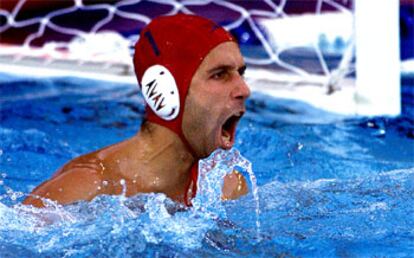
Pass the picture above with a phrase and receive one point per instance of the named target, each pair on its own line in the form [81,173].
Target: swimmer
[190,71]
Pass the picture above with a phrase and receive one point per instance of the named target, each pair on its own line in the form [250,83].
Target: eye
[219,75]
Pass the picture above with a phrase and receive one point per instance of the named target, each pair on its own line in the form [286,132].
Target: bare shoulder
[73,182]
[84,177]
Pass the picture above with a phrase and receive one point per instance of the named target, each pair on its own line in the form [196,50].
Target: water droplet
[102,166]
[124,187]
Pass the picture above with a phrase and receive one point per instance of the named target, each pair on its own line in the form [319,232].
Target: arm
[71,186]
[234,186]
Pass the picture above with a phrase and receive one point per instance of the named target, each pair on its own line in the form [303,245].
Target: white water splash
[108,220]
[210,183]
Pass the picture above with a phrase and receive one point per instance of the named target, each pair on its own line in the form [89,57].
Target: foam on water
[328,186]
[297,215]
[120,225]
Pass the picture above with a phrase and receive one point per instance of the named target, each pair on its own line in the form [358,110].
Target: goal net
[302,37]
[308,42]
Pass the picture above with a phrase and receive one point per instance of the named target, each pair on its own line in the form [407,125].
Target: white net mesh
[312,39]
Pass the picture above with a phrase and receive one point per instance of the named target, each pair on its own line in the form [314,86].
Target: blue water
[327,186]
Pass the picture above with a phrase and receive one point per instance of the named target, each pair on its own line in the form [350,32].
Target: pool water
[327,186]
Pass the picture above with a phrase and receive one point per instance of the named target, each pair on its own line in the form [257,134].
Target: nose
[241,89]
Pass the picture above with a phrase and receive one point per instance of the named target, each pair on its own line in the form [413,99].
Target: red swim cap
[168,53]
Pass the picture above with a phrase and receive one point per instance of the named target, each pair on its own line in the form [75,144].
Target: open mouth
[228,131]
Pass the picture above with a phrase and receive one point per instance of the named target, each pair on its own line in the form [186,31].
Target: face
[215,100]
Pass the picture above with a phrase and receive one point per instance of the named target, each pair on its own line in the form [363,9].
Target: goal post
[378,90]
[338,55]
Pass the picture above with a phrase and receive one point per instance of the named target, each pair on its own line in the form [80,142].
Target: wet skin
[155,159]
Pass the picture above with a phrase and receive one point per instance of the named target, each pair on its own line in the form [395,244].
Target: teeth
[226,139]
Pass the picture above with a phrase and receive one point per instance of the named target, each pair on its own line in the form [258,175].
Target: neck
[166,148]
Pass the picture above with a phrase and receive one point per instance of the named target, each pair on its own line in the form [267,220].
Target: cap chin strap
[165,61]
[162,96]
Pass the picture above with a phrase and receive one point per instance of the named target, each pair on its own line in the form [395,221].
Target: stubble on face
[209,103]
[197,131]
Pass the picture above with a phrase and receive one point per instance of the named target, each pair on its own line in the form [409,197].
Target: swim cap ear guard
[168,53]
[160,92]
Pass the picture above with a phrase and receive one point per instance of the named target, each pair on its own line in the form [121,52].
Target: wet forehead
[224,55]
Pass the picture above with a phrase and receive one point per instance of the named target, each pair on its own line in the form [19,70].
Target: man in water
[190,73]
